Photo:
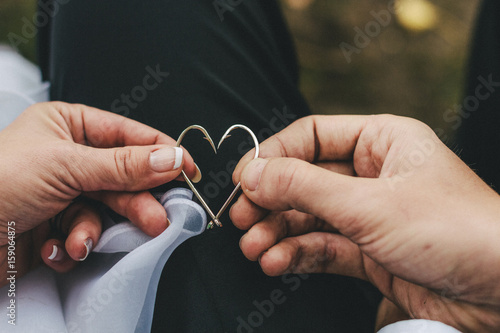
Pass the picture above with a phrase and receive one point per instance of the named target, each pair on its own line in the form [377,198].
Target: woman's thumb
[132,168]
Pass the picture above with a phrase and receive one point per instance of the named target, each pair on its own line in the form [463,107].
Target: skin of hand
[378,198]
[55,152]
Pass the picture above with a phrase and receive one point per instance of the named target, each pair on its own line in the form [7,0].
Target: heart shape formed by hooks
[215,218]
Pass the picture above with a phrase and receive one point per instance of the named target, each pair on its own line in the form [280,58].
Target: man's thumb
[289,183]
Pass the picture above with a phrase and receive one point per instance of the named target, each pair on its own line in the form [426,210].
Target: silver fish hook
[215,218]
[188,181]
[237,188]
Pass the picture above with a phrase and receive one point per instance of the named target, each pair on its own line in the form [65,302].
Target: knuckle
[319,224]
[132,208]
[58,163]
[281,146]
[296,261]
[289,179]
[283,225]
[125,163]
[306,122]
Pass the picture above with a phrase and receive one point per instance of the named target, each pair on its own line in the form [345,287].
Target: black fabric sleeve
[479,133]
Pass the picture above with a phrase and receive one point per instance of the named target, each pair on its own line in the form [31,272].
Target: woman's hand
[55,152]
[378,198]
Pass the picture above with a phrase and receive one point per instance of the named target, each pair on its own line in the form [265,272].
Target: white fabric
[418,326]
[114,290]
[20,85]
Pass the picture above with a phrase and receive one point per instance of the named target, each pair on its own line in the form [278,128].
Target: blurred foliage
[13,15]
[414,67]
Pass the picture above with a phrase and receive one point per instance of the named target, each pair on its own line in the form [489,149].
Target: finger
[101,129]
[141,208]
[194,177]
[122,169]
[55,256]
[312,139]
[276,227]
[244,213]
[349,204]
[314,253]
[84,227]
[82,223]
[343,168]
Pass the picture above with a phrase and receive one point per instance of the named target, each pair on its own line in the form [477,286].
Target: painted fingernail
[88,248]
[166,159]
[252,176]
[57,254]
[197,176]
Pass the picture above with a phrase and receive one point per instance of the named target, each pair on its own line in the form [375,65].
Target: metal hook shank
[257,151]
[191,186]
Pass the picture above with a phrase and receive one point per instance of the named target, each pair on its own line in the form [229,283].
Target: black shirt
[479,122]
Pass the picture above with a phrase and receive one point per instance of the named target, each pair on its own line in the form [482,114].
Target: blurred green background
[412,63]
[12,14]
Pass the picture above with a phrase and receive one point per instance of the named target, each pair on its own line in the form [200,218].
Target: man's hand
[378,198]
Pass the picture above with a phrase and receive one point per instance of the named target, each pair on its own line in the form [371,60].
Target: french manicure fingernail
[197,176]
[252,176]
[57,254]
[88,248]
[166,159]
